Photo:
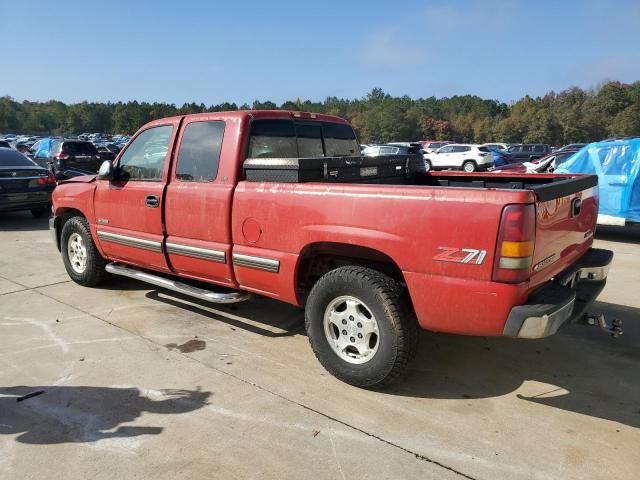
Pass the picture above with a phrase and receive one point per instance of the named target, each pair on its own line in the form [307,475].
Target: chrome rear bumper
[564,299]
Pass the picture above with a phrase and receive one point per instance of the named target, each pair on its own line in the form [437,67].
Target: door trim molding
[259,263]
[128,241]
[196,252]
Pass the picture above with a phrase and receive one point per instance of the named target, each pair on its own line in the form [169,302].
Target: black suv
[74,155]
[525,152]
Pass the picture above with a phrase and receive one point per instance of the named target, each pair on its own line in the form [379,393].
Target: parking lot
[133,382]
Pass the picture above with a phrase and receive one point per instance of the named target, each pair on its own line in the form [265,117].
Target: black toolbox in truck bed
[356,169]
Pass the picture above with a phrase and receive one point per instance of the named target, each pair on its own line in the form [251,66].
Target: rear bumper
[14,202]
[565,299]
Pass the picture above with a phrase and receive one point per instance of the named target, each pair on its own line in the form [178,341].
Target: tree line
[572,115]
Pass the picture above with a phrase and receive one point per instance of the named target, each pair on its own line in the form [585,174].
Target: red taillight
[61,156]
[48,180]
[514,251]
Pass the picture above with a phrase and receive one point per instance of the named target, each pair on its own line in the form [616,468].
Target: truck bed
[405,170]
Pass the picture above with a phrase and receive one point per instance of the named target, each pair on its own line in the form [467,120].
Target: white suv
[460,157]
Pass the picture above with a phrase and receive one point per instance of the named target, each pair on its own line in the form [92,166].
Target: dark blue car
[24,185]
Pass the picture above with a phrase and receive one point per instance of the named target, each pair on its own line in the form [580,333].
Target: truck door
[128,210]
[198,202]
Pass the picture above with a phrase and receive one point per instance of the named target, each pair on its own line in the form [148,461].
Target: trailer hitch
[598,320]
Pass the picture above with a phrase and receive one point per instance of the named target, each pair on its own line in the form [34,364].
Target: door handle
[152,201]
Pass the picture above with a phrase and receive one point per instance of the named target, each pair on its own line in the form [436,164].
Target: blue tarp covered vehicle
[617,164]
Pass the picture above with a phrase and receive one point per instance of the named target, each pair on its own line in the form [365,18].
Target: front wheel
[81,258]
[361,326]
[469,166]
[427,166]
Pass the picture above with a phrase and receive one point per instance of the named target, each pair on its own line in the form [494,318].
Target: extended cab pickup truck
[472,254]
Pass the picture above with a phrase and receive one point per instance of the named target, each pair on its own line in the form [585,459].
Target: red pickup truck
[472,254]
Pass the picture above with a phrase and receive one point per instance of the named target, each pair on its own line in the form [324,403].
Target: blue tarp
[44,148]
[617,164]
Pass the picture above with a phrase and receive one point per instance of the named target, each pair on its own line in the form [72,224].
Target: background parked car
[546,164]
[571,146]
[390,149]
[467,157]
[107,152]
[496,146]
[23,184]
[617,164]
[62,154]
[4,144]
[525,152]
[431,146]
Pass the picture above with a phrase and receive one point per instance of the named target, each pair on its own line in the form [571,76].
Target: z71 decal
[461,255]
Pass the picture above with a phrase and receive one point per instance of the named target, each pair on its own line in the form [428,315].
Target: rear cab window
[300,139]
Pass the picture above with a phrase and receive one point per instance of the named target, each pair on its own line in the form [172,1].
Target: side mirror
[106,171]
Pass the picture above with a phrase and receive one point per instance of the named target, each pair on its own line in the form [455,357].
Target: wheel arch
[61,217]
[318,258]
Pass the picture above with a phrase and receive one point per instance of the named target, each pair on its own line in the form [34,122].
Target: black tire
[427,166]
[37,212]
[472,167]
[389,304]
[94,273]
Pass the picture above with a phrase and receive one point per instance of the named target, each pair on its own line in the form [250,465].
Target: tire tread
[95,272]
[395,300]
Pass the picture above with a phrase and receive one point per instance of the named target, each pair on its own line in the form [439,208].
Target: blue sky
[207,51]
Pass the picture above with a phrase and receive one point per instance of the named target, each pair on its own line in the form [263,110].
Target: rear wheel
[83,262]
[469,166]
[361,326]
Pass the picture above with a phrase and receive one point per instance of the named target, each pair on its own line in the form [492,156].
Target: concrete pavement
[141,383]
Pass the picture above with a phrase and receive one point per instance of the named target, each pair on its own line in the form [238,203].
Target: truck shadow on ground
[288,320]
[581,369]
[63,414]
[22,222]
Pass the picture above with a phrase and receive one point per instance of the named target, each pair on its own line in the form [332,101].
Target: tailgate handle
[576,207]
[152,201]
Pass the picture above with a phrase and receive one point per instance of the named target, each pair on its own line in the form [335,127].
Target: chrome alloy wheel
[351,330]
[77,252]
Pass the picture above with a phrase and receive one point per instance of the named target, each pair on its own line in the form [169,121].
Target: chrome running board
[158,281]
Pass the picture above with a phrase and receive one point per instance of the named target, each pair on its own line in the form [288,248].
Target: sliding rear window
[289,139]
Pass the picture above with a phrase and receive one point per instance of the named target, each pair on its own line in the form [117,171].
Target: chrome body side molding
[259,263]
[196,252]
[135,242]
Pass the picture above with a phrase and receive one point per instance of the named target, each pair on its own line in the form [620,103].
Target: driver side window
[145,157]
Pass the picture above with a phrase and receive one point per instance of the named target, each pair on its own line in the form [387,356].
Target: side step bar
[158,281]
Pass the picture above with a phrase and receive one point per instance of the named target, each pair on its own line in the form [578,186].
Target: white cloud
[384,49]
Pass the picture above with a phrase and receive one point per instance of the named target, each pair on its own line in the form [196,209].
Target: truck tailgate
[566,214]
